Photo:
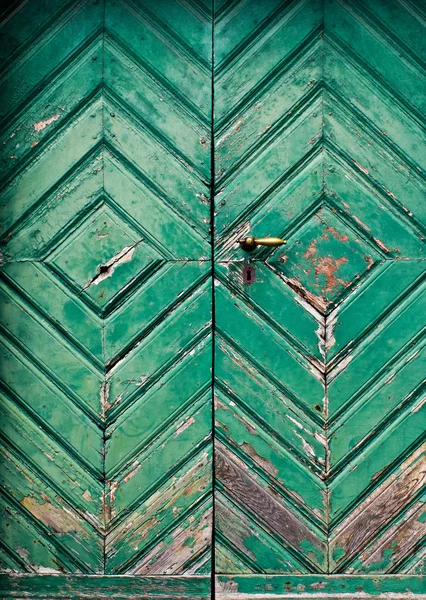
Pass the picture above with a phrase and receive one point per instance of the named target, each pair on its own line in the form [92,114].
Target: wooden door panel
[318,372]
[105,290]
[126,126]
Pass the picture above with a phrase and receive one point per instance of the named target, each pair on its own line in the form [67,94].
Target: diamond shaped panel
[103,256]
[326,258]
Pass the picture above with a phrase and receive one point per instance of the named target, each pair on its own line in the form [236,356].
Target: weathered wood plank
[152,520]
[259,587]
[379,508]
[278,519]
[105,586]
[254,549]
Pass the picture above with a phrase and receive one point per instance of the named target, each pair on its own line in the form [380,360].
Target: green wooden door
[106,288]
[320,362]
[140,141]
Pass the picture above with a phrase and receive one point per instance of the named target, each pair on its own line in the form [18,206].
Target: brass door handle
[249,243]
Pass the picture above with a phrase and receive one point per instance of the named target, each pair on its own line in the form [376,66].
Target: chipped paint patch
[46,570]
[419,405]
[308,448]
[381,245]
[341,366]
[330,324]
[105,404]
[328,267]
[370,262]
[184,425]
[112,491]
[342,237]
[87,496]
[59,520]
[142,380]
[232,241]
[260,460]
[363,169]
[107,269]
[363,225]
[318,302]
[235,127]
[264,130]
[43,124]
[132,473]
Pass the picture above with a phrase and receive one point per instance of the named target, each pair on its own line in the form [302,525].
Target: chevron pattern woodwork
[125,126]
[320,372]
[105,289]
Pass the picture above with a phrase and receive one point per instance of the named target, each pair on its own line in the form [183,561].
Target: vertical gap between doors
[213,308]
[105,383]
[326,326]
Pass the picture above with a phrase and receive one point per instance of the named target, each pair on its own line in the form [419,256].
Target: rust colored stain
[328,267]
[43,124]
[310,251]
[341,237]
[324,265]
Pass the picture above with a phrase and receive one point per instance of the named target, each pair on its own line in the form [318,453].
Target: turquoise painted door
[140,141]
[320,361]
[106,288]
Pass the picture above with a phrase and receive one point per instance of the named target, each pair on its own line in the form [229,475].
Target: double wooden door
[140,141]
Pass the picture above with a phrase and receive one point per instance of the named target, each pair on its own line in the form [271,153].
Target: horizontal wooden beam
[104,586]
[227,587]
[327,587]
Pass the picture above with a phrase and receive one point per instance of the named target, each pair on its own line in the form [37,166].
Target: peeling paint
[59,520]
[239,232]
[104,398]
[235,127]
[381,245]
[184,425]
[363,225]
[363,169]
[318,302]
[330,324]
[107,269]
[260,460]
[308,448]
[87,496]
[132,473]
[42,124]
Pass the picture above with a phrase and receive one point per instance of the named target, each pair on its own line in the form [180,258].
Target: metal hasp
[250,243]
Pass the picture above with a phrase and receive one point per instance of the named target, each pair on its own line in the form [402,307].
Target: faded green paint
[107,333]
